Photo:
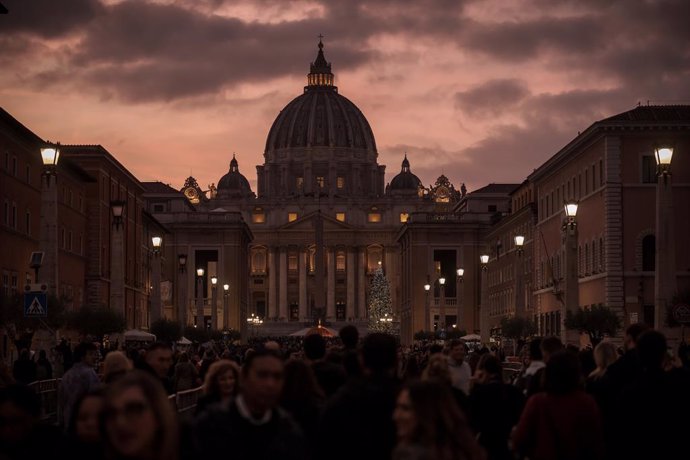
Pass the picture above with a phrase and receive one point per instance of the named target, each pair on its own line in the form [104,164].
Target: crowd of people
[345,398]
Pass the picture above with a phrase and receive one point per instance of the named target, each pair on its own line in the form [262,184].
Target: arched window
[648,253]
[340,261]
[601,252]
[374,256]
[259,260]
[587,259]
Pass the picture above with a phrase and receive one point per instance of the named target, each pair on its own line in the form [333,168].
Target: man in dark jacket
[158,362]
[252,426]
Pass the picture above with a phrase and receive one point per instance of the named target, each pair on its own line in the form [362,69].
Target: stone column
[351,299]
[362,284]
[302,284]
[282,295]
[330,297]
[272,307]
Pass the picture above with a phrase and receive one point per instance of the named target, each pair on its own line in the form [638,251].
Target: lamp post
[226,299]
[484,299]
[442,307]
[156,313]
[182,291]
[519,276]
[665,259]
[200,298]
[460,273]
[572,289]
[427,321]
[117,256]
[50,154]
[214,303]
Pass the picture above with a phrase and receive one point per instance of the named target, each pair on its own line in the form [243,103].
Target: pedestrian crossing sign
[35,304]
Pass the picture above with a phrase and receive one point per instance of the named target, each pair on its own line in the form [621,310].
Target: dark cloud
[491,98]
[48,18]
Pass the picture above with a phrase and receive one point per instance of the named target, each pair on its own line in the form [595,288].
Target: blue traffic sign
[35,304]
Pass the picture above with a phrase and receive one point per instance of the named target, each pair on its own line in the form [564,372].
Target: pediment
[307,222]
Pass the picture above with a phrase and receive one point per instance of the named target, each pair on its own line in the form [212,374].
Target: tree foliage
[597,322]
[517,327]
[166,330]
[380,304]
[96,321]
[201,335]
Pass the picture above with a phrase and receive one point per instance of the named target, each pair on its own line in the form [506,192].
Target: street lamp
[460,272]
[182,291]
[442,307]
[156,313]
[484,299]
[214,303]
[665,257]
[200,297]
[570,254]
[117,259]
[226,299]
[427,287]
[50,154]
[519,276]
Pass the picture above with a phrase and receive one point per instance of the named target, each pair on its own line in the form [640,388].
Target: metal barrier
[47,390]
[186,400]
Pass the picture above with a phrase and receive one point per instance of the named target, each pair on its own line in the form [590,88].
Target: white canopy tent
[184,341]
[471,338]
[137,335]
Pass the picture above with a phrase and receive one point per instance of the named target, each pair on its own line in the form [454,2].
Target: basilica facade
[320,222]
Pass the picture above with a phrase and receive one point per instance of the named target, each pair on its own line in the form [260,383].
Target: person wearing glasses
[138,421]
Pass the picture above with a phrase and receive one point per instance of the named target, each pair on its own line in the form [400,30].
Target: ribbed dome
[320,117]
[405,180]
[234,183]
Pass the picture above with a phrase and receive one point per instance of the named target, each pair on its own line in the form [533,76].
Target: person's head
[86,415]
[549,346]
[183,357]
[115,364]
[562,373]
[262,380]
[272,345]
[85,352]
[138,421]
[632,333]
[489,369]
[300,384]
[535,349]
[159,357]
[651,349]
[426,414]
[314,347]
[222,379]
[437,369]
[20,410]
[605,354]
[350,336]
[379,353]
[458,350]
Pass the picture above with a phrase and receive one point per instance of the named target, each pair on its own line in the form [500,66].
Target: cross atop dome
[320,74]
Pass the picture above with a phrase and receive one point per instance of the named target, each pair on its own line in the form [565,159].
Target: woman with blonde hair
[438,370]
[430,426]
[605,354]
[221,384]
[138,421]
[115,365]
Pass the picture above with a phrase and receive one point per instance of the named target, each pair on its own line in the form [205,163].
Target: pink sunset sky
[482,91]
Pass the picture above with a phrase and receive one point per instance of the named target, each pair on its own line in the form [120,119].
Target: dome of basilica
[234,183]
[320,117]
[405,181]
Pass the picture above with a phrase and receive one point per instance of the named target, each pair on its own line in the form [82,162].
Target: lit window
[374,217]
[292,262]
[300,183]
[340,216]
[292,216]
[437,266]
[404,216]
[340,183]
[320,181]
[340,261]
[258,217]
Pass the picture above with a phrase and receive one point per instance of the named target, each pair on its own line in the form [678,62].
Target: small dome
[234,183]
[405,181]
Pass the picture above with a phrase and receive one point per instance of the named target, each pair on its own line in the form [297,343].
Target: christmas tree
[380,305]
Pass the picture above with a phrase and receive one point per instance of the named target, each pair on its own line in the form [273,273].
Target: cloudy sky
[483,91]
